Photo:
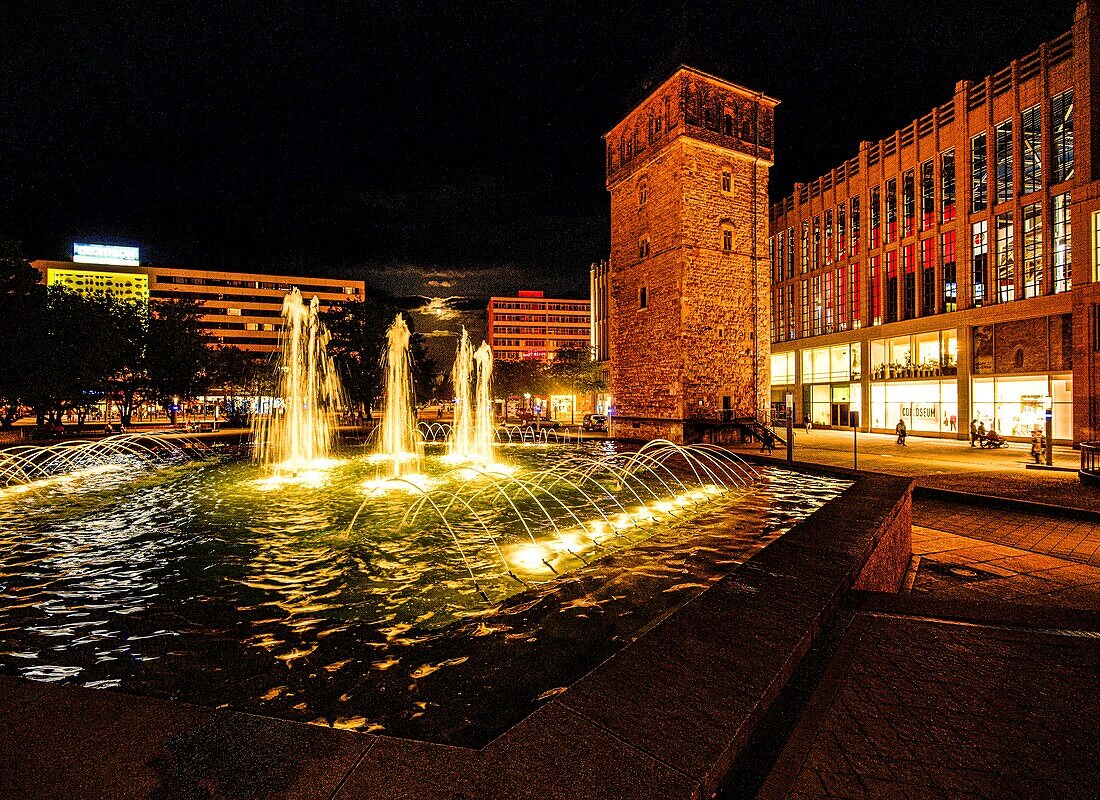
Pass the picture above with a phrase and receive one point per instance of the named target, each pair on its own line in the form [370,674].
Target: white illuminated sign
[106,254]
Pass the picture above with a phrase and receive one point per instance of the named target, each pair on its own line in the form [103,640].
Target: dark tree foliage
[21,300]
[358,347]
[177,353]
[241,375]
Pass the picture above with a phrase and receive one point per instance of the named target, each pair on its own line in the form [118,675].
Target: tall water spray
[300,434]
[484,430]
[462,428]
[399,444]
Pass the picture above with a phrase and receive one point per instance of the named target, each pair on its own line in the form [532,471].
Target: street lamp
[1048,411]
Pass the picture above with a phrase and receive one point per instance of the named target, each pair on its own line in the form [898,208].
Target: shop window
[1002,145]
[1061,251]
[978,176]
[1033,250]
[1006,274]
[1062,136]
[1031,143]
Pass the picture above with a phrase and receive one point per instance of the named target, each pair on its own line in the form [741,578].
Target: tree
[516,378]
[241,375]
[574,368]
[22,300]
[177,353]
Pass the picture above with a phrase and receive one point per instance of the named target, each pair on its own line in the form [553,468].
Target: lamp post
[1048,411]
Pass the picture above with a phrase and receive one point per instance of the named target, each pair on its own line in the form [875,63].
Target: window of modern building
[876,218]
[927,195]
[947,185]
[1062,239]
[791,332]
[815,252]
[841,231]
[876,291]
[804,315]
[841,301]
[909,281]
[783,369]
[643,193]
[780,270]
[928,276]
[727,238]
[853,293]
[891,257]
[643,297]
[817,306]
[1013,404]
[1033,250]
[921,355]
[978,176]
[1006,260]
[790,252]
[1061,107]
[1031,143]
[830,297]
[805,246]
[727,181]
[979,252]
[908,204]
[854,220]
[828,236]
[950,279]
[1002,145]
[891,211]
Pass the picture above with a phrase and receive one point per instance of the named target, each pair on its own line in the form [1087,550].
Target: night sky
[437,149]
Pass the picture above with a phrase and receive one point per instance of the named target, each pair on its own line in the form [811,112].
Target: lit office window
[1096,246]
[928,276]
[908,204]
[805,246]
[818,305]
[1033,250]
[1002,143]
[891,257]
[891,211]
[927,196]
[947,185]
[1062,239]
[1062,136]
[841,231]
[805,313]
[781,246]
[830,319]
[841,301]
[876,218]
[1031,142]
[853,293]
[979,253]
[978,177]
[909,281]
[876,291]
[1006,261]
[829,236]
[950,280]
[790,252]
[815,253]
[854,220]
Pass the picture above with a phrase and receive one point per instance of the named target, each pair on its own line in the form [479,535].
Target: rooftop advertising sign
[106,254]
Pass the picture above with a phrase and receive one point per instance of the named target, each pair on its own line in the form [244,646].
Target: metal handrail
[1090,458]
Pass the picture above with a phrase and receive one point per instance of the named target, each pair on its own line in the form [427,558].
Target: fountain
[400,446]
[462,431]
[472,433]
[484,433]
[299,436]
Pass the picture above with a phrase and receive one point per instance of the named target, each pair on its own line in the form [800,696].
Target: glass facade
[925,406]
[1013,404]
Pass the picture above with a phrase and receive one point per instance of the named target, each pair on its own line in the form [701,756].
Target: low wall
[664,717]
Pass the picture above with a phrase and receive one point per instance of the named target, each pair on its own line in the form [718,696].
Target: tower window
[727,181]
[727,125]
[643,247]
[727,239]
[643,193]
[643,297]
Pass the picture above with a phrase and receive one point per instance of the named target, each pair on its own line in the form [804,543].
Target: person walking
[973,431]
[767,442]
[1036,445]
[902,432]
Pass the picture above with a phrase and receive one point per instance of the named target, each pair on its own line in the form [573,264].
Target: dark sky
[436,148]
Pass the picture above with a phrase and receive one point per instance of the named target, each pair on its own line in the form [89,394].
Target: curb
[1009,503]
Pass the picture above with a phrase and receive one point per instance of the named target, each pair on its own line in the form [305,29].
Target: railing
[1090,461]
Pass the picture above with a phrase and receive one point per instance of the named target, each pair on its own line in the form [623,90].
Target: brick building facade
[687,170]
[532,326]
[948,272]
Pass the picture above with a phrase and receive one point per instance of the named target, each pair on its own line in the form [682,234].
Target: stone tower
[687,170]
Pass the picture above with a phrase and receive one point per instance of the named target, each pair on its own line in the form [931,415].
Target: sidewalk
[948,464]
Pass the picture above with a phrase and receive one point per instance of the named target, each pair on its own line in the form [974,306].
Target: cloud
[439,333]
[441,284]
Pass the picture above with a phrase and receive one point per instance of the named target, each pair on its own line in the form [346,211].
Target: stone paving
[915,708]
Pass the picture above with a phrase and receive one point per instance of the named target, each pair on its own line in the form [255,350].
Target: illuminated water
[201,582]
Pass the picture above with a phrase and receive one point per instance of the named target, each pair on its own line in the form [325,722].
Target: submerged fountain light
[295,442]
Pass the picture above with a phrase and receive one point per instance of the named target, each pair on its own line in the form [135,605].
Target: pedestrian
[981,432]
[973,431]
[767,442]
[809,424]
[1036,445]
[901,432]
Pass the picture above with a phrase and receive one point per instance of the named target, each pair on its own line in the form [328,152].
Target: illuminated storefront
[1013,404]
[830,383]
[925,406]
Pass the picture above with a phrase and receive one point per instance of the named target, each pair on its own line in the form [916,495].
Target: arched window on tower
[727,125]
[727,236]
[643,192]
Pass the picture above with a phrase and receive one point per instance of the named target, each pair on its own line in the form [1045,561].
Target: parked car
[594,422]
[543,421]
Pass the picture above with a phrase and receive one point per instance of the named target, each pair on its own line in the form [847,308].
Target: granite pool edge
[663,717]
